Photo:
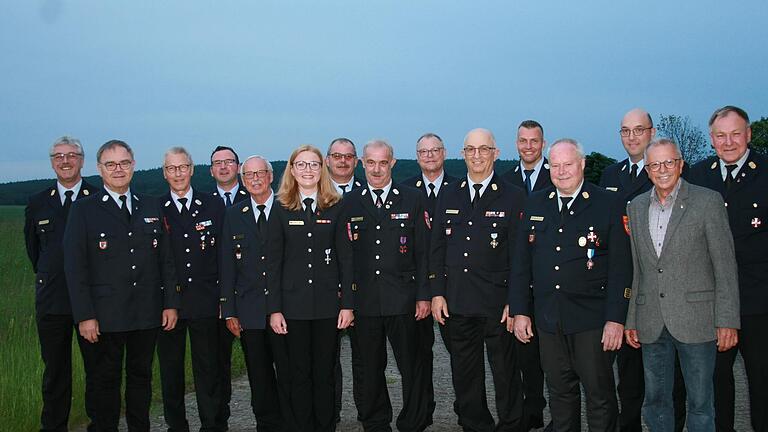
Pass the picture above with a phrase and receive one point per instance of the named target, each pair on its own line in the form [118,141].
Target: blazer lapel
[744,176]
[582,201]
[247,215]
[489,195]
[366,200]
[678,210]
[641,209]
[110,206]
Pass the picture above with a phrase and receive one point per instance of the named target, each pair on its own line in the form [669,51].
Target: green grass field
[22,368]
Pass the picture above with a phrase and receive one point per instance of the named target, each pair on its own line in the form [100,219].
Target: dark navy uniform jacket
[390,251]
[44,223]
[471,249]
[120,273]
[747,205]
[543,180]
[309,263]
[553,258]
[195,241]
[241,195]
[243,268]
[418,183]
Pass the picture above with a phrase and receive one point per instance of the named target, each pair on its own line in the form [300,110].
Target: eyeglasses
[340,156]
[223,162]
[173,169]
[483,150]
[61,157]
[312,165]
[668,164]
[430,152]
[638,131]
[123,164]
[249,175]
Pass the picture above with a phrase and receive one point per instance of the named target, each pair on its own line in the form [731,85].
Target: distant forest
[152,182]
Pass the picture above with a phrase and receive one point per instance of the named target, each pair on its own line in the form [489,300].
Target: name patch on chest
[295,222]
[451,211]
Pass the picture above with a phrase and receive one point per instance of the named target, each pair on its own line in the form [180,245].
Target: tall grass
[21,368]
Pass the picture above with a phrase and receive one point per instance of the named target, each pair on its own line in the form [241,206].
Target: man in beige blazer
[684,289]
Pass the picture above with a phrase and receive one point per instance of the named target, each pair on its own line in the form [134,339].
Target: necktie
[67,200]
[729,175]
[228,199]
[378,193]
[431,194]
[633,172]
[261,222]
[528,186]
[343,189]
[308,208]
[183,202]
[476,198]
[126,212]
[564,208]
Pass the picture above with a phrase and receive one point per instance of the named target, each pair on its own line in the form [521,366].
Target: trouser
[224,375]
[570,359]
[338,377]
[425,336]
[265,398]
[754,351]
[468,335]
[697,361]
[305,374]
[631,390]
[55,334]
[171,350]
[533,383]
[373,333]
[138,347]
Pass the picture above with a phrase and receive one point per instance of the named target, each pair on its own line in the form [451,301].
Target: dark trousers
[468,335]
[224,375]
[305,374]
[356,374]
[447,343]
[576,358]
[631,390]
[55,335]
[265,399]
[754,350]
[425,335]
[533,383]
[138,347]
[373,333]
[171,350]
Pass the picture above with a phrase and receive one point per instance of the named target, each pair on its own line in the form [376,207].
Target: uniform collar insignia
[552,195]
[546,166]
[241,192]
[105,198]
[245,209]
[167,203]
[85,192]
[714,165]
[623,167]
[517,168]
[585,194]
[418,183]
[395,191]
[197,201]
[463,183]
[53,192]
[494,187]
[752,165]
[364,191]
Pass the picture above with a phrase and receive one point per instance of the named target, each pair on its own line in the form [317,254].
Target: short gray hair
[577,145]
[112,144]
[177,150]
[429,135]
[377,143]
[67,140]
[658,142]
[242,165]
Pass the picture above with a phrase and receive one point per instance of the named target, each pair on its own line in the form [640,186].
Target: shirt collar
[187,195]
[267,204]
[640,164]
[574,195]
[484,183]
[314,200]
[116,196]
[233,191]
[670,198]
[739,163]
[383,195]
[75,189]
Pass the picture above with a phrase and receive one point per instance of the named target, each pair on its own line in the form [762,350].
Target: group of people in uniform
[548,274]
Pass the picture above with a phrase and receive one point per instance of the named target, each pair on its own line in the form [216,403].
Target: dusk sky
[267,76]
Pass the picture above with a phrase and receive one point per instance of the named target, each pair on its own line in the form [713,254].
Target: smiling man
[474,226]
[532,173]
[45,220]
[122,283]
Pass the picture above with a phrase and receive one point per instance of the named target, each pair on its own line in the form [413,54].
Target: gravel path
[444,418]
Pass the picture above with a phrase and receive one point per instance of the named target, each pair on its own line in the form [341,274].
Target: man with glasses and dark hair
[122,284]
[225,165]
[684,296]
[739,174]
[224,168]
[430,155]
[244,291]
[194,221]
[341,159]
[474,225]
[44,223]
[532,173]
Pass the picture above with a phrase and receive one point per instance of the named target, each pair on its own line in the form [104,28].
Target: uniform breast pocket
[750,218]
[104,244]
[496,232]
[356,230]
[152,233]
[44,228]
[239,253]
[451,228]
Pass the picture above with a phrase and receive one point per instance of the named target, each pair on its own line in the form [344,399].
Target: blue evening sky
[266,76]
